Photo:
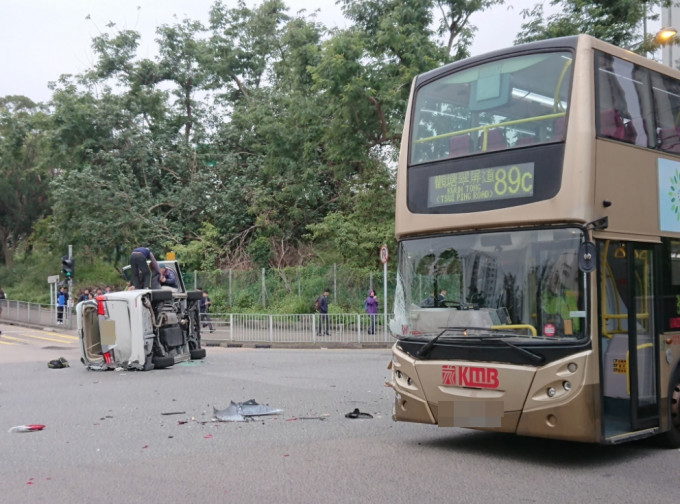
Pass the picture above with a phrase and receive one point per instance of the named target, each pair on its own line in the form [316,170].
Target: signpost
[384,256]
[53,280]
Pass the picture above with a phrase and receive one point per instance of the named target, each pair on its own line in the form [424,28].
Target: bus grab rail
[488,127]
[531,328]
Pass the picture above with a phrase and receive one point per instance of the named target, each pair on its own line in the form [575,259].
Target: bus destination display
[483,184]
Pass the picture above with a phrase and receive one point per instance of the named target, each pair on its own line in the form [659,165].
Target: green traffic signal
[68,266]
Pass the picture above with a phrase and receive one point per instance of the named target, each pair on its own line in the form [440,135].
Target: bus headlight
[567,386]
[572,367]
[551,391]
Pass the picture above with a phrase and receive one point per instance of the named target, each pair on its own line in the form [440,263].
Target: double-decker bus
[538,222]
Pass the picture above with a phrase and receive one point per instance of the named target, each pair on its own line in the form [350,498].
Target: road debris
[358,414]
[58,363]
[241,412]
[27,428]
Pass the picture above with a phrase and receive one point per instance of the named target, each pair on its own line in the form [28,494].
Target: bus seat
[495,140]
[459,145]
[630,132]
[611,124]
[523,141]
[559,129]
[669,140]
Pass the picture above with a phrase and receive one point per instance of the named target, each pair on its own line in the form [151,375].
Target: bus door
[628,339]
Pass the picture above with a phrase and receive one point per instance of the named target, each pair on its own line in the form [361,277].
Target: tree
[24,171]
[620,22]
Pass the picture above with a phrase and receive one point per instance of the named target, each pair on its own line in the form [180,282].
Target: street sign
[53,279]
[384,254]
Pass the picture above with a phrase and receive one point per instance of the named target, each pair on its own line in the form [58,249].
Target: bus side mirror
[586,257]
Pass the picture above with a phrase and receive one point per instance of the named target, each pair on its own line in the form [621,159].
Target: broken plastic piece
[358,414]
[27,428]
[238,412]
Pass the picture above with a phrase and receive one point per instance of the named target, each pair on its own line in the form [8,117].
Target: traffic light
[68,267]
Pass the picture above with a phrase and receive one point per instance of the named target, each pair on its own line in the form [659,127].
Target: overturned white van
[141,329]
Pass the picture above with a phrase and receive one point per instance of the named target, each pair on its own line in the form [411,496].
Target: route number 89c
[513,181]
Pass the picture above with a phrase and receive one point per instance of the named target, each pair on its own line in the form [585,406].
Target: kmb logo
[468,376]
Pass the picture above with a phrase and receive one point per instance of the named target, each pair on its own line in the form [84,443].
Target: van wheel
[673,434]
[197,354]
[163,362]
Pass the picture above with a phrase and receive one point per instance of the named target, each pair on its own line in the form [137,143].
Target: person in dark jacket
[322,303]
[144,274]
[371,306]
[203,308]
[62,302]
[168,278]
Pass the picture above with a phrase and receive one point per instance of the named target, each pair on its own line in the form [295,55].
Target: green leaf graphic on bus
[675,194]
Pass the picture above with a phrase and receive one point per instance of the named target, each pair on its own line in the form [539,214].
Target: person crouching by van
[144,274]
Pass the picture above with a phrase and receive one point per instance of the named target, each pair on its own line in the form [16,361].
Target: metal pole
[264,288]
[230,278]
[335,283]
[385,299]
[69,303]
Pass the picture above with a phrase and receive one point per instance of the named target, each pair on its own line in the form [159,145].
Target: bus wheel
[673,434]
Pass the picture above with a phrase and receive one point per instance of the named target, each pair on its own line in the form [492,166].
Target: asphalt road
[107,439]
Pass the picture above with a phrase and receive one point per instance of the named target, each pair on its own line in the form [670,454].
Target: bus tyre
[673,434]
[197,354]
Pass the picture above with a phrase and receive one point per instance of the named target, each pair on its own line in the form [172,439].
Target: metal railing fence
[264,328]
[35,314]
[347,328]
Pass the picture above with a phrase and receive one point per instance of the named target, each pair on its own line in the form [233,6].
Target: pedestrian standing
[322,307]
[2,299]
[62,301]
[203,308]
[371,306]
[84,296]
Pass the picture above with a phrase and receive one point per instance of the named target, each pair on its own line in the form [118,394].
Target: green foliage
[263,139]
[24,172]
[619,22]
[243,303]
[260,251]
[26,280]
[201,253]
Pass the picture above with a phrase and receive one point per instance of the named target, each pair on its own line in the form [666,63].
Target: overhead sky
[42,39]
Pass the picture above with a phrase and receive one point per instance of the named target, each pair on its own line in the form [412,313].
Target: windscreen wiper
[538,359]
[427,348]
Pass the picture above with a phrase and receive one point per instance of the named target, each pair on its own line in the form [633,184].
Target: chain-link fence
[292,290]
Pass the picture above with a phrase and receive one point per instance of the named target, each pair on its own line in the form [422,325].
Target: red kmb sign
[470,376]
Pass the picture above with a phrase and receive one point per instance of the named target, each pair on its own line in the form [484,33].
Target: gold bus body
[601,178]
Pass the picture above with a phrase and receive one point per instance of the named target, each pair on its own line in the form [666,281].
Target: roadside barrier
[255,328]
